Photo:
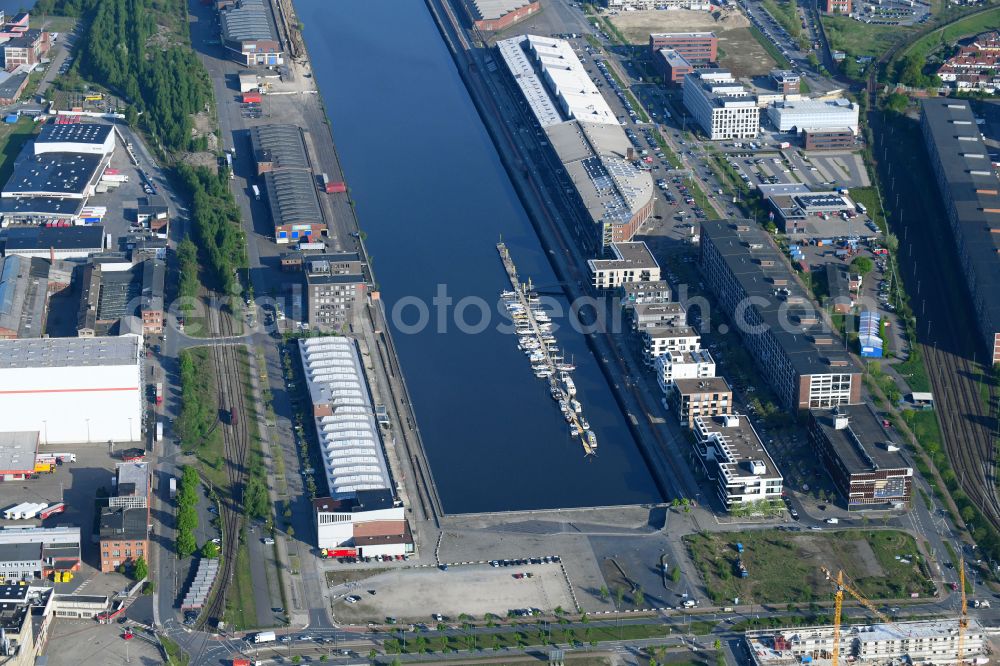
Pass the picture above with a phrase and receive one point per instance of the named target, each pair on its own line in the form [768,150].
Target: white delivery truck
[159,431]
[256,192]
[264,637]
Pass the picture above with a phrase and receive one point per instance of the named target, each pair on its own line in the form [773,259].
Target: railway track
[235,436]
[967,427]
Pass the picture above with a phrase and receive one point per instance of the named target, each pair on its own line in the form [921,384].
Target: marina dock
[533,328]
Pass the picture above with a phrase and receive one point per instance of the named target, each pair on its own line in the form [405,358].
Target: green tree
[619,596]
[604,592]
[897,102]
[862,265]
[210,550]
[186,544]
[675,575]
[639,598]
[141,569]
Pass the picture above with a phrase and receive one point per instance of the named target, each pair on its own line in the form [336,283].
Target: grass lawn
[521,635]
[785,567]
[988,20]
[924,424]
[241,611]
[58,24]
[12,139]
[772,50]
[210,454]
[868,197]
[857,38]
[175,655]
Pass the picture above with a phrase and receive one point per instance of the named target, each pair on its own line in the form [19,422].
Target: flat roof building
[813,114]
[672,66]
[584,133]
[802,212]
[833,138]
[495,15]
[49,242]
[651,291]
[369,524]
[54,175]
[335,284]
[81,138]
[694,47]
[660,340]
[23,294]
[720,105]
[786,81]
[862,456]
[123,536]
[922,642]
[697,364]
[700,396]
[17,454]
[734,456]
[632,262]
[802,360]
[73,389]
[970,191]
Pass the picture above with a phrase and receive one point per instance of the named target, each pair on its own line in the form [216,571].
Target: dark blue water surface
[434,198]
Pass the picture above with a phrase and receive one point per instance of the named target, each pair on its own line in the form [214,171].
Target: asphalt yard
[476,589]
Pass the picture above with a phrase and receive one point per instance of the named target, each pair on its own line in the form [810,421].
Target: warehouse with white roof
[73,390]
[344,416]
[813,114]
[584,133]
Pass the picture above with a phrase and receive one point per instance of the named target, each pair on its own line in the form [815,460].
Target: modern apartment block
[652,291]
[862,456]
[683,365]
[970,191]
[694,47]
[653,315]
[633,262]
[705,397]
[803,361]
[720,105]
[660,340]
[734,456]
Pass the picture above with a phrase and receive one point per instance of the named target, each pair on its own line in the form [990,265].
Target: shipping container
[44,466]
[251,98]
[15,510]
[58,507]
[173,488]
[336,186]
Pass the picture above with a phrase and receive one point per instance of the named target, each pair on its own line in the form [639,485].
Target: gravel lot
[473,589]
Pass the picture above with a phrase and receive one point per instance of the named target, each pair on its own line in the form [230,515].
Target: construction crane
[842,587]
[963,618]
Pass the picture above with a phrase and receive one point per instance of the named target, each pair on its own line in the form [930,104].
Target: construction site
[959,640]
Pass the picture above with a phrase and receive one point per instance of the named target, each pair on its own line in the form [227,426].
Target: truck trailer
[264,637]
[58,507]
[159,431]
[173,488]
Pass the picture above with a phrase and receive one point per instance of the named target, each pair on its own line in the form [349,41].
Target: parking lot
[98,644]
[475,589]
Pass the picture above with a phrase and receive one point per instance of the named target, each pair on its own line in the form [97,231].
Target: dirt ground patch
[413,594]
[782,566]
[341,576]
[738,49]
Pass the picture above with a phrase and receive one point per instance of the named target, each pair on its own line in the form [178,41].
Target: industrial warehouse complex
[362,515]
[971,194]
[584,133]
[73,389]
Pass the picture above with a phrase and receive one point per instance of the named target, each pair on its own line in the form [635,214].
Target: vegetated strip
[771,49]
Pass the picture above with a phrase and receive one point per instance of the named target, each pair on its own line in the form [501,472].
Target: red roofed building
[974,67]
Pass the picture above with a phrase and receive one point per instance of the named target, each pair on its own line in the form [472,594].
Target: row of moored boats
[533,327]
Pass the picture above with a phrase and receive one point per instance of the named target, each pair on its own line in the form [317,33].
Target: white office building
[73,390]
[671,366]
[632,262]
[721,106]
[813,114]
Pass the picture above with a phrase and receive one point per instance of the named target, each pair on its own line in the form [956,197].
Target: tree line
[187,512]
[163,85]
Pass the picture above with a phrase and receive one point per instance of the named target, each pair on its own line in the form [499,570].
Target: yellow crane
[842,587]
[963,618]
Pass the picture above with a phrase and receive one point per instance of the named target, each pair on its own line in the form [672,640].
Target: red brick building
[695,47]
[495,15]
[25,49]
